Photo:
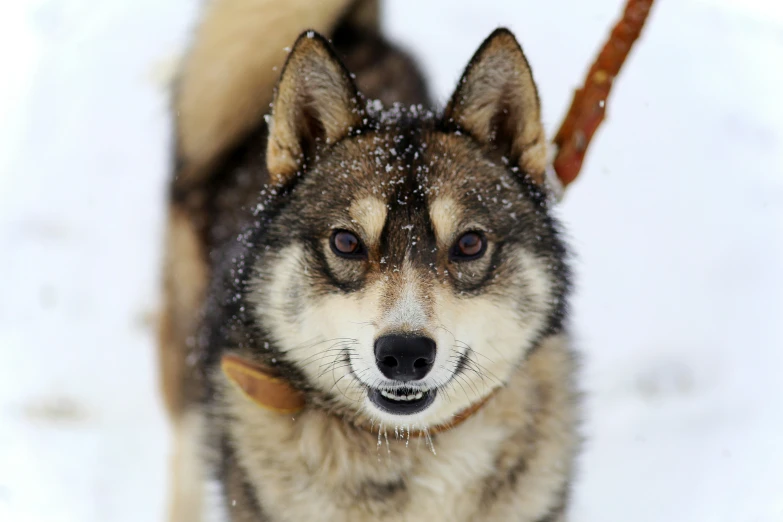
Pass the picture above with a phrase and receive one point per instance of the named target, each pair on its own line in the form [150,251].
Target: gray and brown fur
[249,271]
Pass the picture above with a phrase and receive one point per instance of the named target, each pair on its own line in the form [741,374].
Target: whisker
[333,348]
[305,346]
[484,371]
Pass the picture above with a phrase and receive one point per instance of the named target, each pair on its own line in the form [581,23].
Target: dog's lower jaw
[404,406]
[511,460]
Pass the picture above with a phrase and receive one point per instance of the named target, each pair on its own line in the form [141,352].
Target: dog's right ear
[496,102]
[316,104]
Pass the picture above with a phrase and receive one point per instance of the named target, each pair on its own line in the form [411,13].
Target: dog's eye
[346,244]
[470,245]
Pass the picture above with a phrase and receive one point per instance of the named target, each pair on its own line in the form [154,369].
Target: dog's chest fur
[510,461]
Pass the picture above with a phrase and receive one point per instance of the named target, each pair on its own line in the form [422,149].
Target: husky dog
[364,299]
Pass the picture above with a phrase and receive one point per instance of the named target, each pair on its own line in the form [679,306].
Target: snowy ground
[677,221]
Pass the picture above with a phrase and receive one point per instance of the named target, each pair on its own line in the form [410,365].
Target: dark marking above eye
[346,244]
[469,246]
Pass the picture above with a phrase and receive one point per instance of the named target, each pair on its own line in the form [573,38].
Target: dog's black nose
[404,358]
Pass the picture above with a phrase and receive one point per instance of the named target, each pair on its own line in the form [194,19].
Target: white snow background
[677,221]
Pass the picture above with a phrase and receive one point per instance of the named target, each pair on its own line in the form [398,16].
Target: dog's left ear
[496,102]
[316,104]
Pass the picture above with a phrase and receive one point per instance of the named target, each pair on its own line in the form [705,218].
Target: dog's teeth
[411,397]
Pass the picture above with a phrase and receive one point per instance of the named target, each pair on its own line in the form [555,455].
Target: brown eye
[470,245]
[346,244]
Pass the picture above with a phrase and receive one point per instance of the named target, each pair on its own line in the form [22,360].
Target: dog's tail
[227,79]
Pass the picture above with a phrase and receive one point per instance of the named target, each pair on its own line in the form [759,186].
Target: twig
[589,104]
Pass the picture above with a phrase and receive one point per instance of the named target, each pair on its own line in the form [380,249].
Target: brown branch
[589,104]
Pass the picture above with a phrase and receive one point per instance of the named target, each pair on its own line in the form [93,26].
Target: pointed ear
[316,103]
[496,102]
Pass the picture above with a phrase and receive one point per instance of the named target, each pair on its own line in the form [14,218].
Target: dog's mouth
[402,401]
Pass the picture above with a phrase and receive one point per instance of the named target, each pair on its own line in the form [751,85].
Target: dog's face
[413,264]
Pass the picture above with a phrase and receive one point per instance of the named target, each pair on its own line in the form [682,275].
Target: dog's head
[411,263]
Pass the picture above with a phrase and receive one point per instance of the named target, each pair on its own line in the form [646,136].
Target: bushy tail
[227,79]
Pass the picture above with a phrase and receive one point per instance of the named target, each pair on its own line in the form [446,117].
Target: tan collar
[265,387]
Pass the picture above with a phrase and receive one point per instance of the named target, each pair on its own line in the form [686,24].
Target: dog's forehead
[396,166]
[419,177]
